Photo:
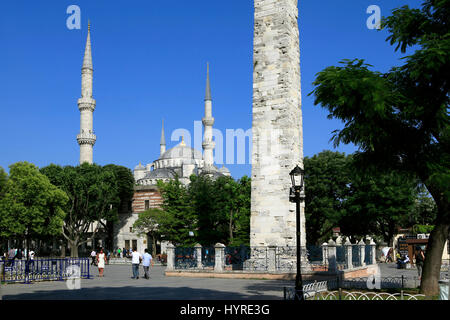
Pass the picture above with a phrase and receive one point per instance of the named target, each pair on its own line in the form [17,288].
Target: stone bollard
[324,253]
[332,265]
[362,252]
[220,257]
[348,250]
[170,257]
[198,253]
[373,252]
[272,259]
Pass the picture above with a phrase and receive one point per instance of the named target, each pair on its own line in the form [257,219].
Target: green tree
[400,119]
[148,223]
[208,206]
[31,205]
[378,204]
[92,191]
[327,180]
[119,204]
[3,179]
[179,217]
[241,213]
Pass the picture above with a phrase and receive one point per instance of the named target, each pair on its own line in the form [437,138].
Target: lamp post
[295,195]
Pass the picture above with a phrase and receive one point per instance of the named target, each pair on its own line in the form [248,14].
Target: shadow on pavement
[136,293]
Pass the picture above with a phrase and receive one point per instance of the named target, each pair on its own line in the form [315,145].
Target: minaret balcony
[208,121]
[86,138]
[208,144]
[86,103]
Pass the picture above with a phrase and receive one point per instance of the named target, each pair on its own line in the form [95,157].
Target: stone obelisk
[277,123]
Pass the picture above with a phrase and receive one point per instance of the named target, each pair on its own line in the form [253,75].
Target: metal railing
[185,258]
[208,257]
[27,271]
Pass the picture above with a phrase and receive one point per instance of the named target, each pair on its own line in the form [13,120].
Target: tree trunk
[432,266]
[153,247]
[230,226]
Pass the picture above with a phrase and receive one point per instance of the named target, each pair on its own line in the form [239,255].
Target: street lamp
[296,195]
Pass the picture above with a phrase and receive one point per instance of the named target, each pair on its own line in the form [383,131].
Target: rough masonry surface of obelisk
[277,123]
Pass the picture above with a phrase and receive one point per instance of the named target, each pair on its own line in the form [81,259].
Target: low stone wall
[237,274]
[359,272]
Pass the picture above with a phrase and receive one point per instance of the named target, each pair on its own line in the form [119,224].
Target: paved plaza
[118,285]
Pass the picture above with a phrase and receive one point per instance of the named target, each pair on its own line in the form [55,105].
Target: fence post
[373,252]
[272,259]
[220,257]
[332,266]
[362,252]
[324,253]
[170,257]
[198,253]
[348,249]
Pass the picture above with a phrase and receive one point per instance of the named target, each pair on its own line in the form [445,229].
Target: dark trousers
[135,267]
[146,272]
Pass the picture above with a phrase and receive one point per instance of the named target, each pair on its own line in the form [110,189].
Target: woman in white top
[101,259]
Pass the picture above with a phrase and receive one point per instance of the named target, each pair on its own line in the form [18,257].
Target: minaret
[162,144]
[208,121]
[86,104]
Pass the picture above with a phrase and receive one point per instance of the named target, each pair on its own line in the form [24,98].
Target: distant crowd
[18,253]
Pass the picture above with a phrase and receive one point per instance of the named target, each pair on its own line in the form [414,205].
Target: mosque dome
[182,151]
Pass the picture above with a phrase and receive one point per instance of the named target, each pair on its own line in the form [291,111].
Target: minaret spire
[208,121]
[162,144]
[86,104]
[208,86]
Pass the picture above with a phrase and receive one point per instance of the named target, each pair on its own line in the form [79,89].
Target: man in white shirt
[146,260]
[93,257]
[135,261]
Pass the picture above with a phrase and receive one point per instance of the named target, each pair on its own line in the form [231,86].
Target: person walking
[420,258]
[101,260]
[146,261]
[93,257]
[136,259]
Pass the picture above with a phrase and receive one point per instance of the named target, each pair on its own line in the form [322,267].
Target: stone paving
[118,285]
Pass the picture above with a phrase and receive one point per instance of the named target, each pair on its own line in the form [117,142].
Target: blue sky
[149,63]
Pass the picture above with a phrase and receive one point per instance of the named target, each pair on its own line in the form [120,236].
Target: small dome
[224,170]
[139,167]
[162,173]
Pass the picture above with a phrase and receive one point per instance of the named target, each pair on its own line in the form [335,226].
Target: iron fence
[208,257]
[235,257]
[185,258]
[315,254]
[27,271]
[368,255]
[356,259]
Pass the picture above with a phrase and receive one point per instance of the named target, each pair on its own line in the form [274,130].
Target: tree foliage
[214,210]
[148,223]
[31,206]
[338,193]
[94,195]
[326,189]
[400,119]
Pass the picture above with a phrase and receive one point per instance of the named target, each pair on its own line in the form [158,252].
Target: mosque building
[181,161]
